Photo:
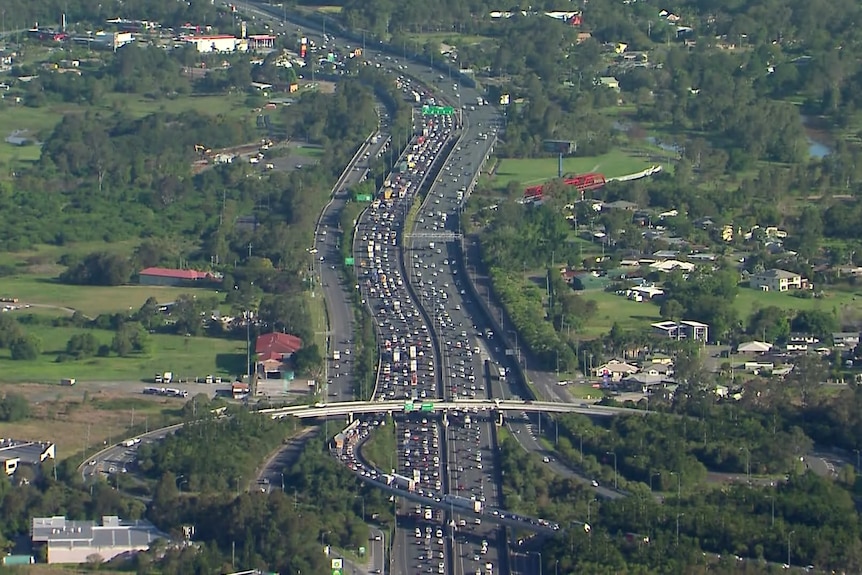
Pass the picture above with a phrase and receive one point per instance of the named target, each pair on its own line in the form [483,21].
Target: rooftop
[29,452]
[176,273]
[277,343]
[112,532]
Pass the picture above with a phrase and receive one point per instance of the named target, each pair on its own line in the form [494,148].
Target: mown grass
[46,291]
[186,357]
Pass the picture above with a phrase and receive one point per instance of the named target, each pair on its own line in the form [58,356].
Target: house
[216,43]
[845,339]
[657,369]
[14,453]
[273,351]
[644,382]
[70,541]
[670,265]
[615,370]
[156,276]
[754,347]
[239,390]
[685,329]
[800,342]
[777,280]
[610,82]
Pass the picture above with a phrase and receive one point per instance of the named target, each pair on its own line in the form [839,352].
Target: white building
[15,453]
[685,329]
[80,541]
[217,43]
[777,280]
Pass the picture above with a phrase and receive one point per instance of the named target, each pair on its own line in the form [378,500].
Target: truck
[416,97]
[396,305]
[68,381]
[473,505]
[412,352]
[336,355]
[479,100]
[400,482]
[131,442]
[413,366]
[396,355]
[167,377]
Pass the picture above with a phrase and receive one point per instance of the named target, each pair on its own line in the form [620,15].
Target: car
[594,483]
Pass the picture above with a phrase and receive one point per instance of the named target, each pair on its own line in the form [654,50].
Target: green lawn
[44,290]
[308,151]
[451,38]
[536,170]
[187,357]
[48,255]
[749,300]
[612,309]
[39,122]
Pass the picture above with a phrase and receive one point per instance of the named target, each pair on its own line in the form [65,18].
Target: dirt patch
[73,424]
[326,87]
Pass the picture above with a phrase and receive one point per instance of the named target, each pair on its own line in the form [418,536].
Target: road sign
[362,551]
[338,563]
[438,110]
[363,198]
[427,407]
[349,261]
[408,407]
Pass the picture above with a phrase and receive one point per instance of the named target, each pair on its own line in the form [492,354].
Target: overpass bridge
[353,408]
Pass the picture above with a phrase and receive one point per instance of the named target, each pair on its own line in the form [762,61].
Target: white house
[754,347]
[777,280]
[685,329]
[615,369]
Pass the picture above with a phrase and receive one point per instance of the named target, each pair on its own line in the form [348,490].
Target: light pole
[678,485]
[789,535]
[772,498]
[615,466]
[539,553]
[678,515]
[856,451]
[747,462]
[362,497]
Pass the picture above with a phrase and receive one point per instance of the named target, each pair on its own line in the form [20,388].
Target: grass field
[39,122]
[839,302]
[187,357]
[67,419]
[45,255]
[536,170]
[44,290]
[617,309]
[308,151]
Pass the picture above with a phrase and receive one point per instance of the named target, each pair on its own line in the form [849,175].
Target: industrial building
[15,453]
[273,354]
[70,541]
[216,43]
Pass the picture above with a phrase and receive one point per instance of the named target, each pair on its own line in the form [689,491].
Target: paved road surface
[270,476]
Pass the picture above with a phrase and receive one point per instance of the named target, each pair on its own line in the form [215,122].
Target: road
[338,382]
[118,458]
[271,476]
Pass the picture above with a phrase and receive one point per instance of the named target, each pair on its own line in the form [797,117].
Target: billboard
[559,146]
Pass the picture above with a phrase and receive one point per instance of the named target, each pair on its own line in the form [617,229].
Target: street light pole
[678,485]
[789,535]
[654,474]
[362,497]
[539,553]
[678,515]
[615,466]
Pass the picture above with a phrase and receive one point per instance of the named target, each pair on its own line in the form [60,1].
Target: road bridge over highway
[352,408]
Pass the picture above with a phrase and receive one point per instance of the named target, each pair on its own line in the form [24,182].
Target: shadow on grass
[233,363]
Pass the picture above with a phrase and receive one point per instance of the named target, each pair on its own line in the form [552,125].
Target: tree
[308,359]
[26,348]
[82,345]
[130,338]
[14,407]
[816,322]
[769,324]
[99,268]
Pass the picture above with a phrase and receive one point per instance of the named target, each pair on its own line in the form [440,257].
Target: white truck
[396,355]
[68,381]
[413,366]
[412,352]
[336,355]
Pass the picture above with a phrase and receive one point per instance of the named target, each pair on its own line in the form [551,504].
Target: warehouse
[219,43]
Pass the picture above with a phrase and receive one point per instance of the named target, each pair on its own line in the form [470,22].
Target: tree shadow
[233,363]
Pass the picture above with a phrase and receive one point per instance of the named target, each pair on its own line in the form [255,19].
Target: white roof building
[754,347]
[670,265]
[75,541]
[216,43]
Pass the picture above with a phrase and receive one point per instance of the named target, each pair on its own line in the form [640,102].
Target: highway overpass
[352,408]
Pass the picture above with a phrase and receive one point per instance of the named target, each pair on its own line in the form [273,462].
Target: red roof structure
[271,346]
[189,275]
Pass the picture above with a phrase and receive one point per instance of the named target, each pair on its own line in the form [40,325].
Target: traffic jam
[407,369]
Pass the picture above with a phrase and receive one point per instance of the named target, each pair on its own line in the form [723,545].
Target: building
[801,342]
[261,42]
[754,347]
[15,453]
[685,329]
[216,43]
[105,40]
[156,276]
[80,541]
[273,351]
[845,339]
[671,265]
[777,280]
[615,370]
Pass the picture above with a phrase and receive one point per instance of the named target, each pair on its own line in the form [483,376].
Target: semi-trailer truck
[473,505]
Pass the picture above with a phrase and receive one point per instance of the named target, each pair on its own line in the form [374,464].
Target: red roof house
[276,345]
[169,276]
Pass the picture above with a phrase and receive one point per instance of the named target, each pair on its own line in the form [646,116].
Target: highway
[338,383]
[119,457]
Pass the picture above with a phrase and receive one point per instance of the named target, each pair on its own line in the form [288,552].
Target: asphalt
[270,476]
[120,458]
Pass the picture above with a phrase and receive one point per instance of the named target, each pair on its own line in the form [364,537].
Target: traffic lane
[120,456]
[377,552]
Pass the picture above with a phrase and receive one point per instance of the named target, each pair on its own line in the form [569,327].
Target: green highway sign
[408,407]
[349,261]
[363,198]
[427,407]
[362,551]
[438,110]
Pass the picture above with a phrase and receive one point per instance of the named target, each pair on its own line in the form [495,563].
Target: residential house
[615,370]
[610,82]
[670,265]
[801,342]
[754,347]
[644,382]
[70,541]
[777,280]
[273,351]
[657,369]
[845,339]
[685,329]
